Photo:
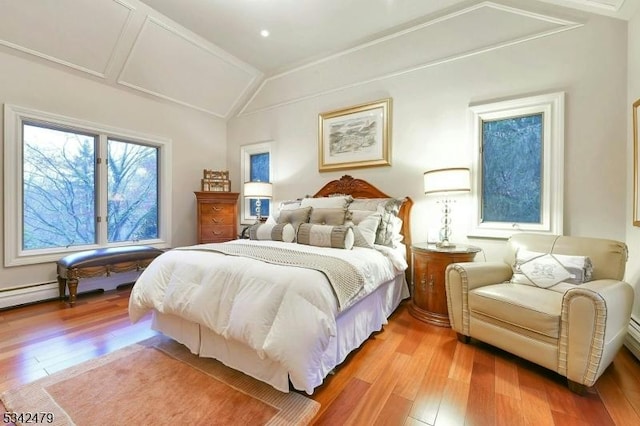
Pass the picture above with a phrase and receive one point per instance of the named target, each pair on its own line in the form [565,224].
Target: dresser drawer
[217,232]
[211,219]
[217,209]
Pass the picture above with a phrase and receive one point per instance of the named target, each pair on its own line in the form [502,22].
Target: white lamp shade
[447,180]
[258,190]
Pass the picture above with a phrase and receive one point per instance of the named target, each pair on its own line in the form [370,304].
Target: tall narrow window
[256,166]
[73,185]
[518,173]
[259,172]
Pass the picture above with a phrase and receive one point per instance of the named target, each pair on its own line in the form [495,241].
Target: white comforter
[284,313]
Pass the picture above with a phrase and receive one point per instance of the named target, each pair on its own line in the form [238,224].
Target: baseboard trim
[632,341]
[48,291]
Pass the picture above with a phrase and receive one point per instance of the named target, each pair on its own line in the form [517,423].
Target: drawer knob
[216,220]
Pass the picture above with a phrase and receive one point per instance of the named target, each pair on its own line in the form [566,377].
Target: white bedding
[286,314]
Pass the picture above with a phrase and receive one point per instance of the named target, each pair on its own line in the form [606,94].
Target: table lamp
[446,181]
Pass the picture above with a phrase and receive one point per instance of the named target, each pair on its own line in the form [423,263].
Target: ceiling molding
[271,100]
[176,83]
[41,51]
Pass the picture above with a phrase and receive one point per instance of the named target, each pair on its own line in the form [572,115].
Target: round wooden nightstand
[428,294]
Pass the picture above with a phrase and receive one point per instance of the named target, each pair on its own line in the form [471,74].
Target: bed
[287,312]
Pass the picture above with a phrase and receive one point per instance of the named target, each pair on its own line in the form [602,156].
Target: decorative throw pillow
[285,205]
[388,208]
[275,232]
[295,217]
[545,270]
[327,202]
[326,236]
[332,217]
[364,228]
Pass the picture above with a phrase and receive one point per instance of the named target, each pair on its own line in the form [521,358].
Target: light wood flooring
[411,373]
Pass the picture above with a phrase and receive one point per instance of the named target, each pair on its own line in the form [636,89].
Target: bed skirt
[354,326]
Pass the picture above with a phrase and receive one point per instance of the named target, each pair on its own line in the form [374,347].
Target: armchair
[572,329]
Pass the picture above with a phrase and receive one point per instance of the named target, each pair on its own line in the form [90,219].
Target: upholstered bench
[100,262]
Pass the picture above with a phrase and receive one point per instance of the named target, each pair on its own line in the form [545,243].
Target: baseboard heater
[633,337]
[48,291]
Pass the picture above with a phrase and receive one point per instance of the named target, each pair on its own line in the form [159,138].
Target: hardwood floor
[411,373]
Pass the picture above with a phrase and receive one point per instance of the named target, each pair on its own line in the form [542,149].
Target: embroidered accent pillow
[545,270]
[326,236]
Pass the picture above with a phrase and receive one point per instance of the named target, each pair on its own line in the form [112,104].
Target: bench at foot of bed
[101,262]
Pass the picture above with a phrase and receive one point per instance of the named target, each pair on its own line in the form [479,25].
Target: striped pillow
[274,232]
[326,236]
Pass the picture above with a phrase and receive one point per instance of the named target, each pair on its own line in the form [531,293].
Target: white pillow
[545,270]
[365,228]
[327,202]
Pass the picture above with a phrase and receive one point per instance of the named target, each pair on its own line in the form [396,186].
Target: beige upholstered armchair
[532,307]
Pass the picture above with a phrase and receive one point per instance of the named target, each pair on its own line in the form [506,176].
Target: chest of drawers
[217,216]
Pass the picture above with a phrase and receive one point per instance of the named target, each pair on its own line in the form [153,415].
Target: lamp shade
[447,180]
[258,190]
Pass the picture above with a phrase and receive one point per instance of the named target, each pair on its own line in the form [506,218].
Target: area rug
[158,382]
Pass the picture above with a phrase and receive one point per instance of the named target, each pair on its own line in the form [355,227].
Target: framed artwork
[636,163]
[359,136]
[519,166]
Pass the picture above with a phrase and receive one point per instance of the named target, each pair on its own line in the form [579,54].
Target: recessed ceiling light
[264,33]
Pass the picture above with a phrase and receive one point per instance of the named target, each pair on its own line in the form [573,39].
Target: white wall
[633,233]
[431,125]
[197,138]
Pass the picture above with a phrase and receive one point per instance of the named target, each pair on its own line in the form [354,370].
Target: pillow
[326,236]
[327,202]
[295,217]
[275,232]
[328,216]
[545,270]
[284,205]
[364,228]
[388,208]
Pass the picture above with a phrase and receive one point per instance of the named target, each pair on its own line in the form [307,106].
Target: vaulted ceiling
[209,55]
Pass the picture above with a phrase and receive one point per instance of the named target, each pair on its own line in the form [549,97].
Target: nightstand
[428,296]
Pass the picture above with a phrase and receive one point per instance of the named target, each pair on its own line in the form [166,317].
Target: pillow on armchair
[545,270]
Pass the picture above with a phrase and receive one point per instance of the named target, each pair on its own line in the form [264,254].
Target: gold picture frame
[636,163]
[359,136]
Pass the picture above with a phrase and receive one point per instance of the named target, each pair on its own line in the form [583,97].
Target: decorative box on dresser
[428,296]
[217,216]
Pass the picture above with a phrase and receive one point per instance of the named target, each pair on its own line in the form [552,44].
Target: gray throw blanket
[345,279]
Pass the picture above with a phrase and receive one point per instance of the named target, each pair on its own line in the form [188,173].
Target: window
[256,167]
[73,185]
[518,176]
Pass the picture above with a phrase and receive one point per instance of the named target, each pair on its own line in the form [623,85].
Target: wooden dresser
[217,216]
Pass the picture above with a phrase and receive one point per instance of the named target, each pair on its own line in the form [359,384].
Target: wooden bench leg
[62,286]
[73,290]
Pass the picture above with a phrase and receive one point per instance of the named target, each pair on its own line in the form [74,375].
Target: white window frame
[14,116]
[552,107]
[246,151]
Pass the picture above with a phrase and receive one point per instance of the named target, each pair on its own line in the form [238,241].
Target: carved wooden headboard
[359,188]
